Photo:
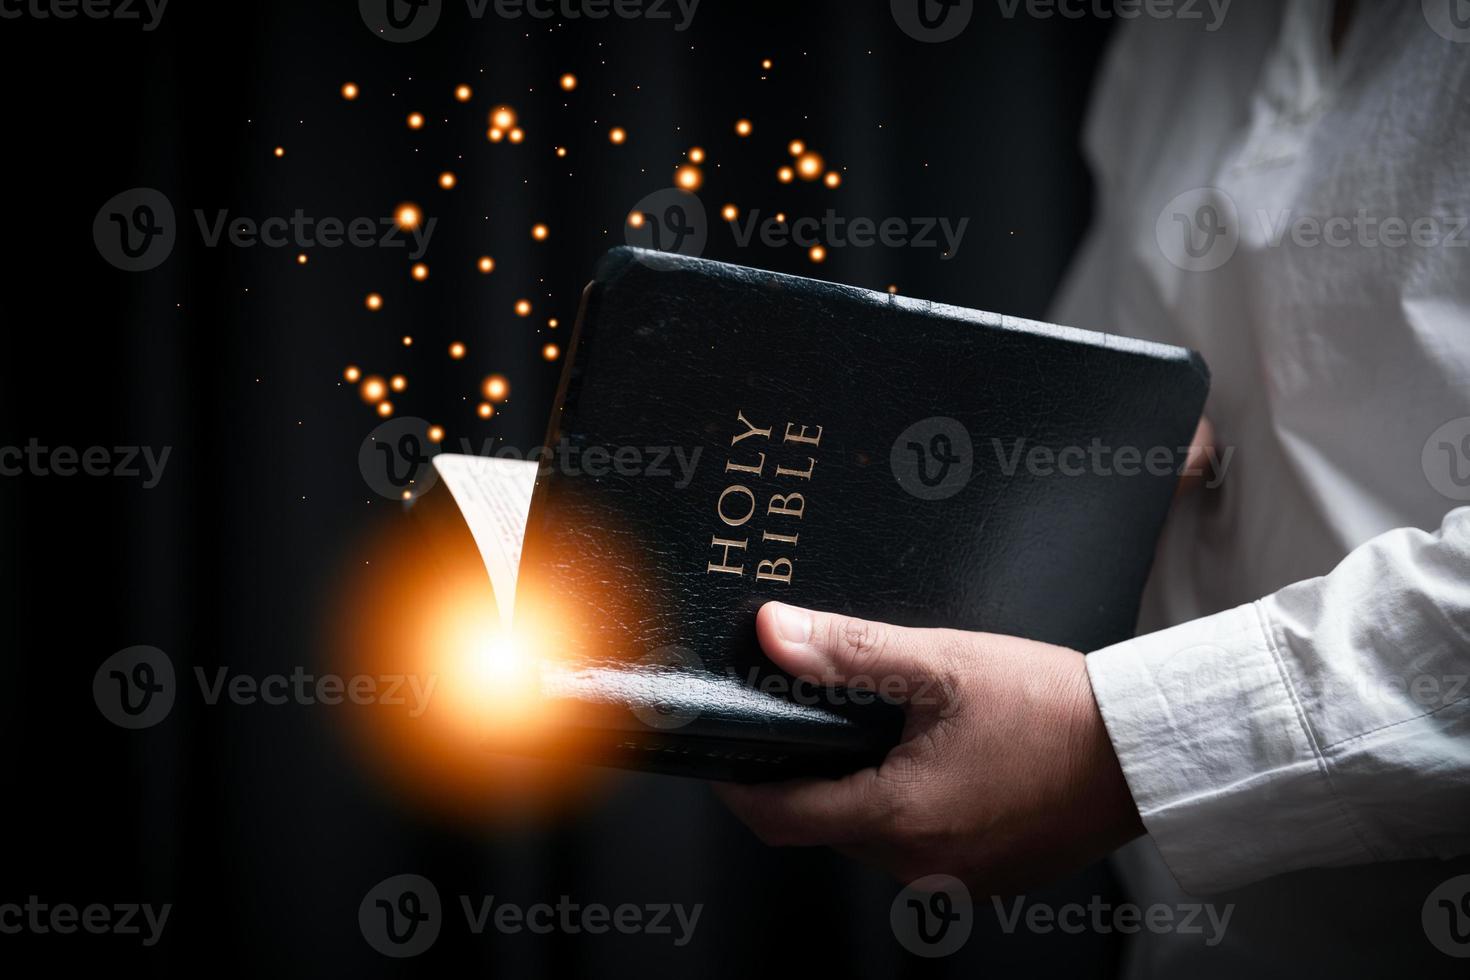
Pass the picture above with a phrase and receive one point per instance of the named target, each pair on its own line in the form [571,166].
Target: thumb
[844,651]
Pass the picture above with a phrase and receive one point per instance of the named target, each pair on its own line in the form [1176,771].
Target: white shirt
[1297,737]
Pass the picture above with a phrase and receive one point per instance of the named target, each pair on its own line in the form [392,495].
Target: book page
[494,495]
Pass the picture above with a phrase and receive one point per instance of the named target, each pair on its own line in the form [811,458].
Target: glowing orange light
[833,179]
[436,433]
[729,212]
[635,220]
[496,388]
[780,217]
[523,307]
[407,341]
[785,175]
[696,154]
[485,410]
[561,151]
[689,177]
[349,91]
[817,254]
[766,64]
[373,389]
[420,272]
[810,166]
[553,323]
[300,258]
[551,352]
[280,151]
[568,82]
[408,216]
[353,373]
[398,382]
[517,135]
[447,180]
[502,117]
[617,135]
[374,302]
[796,148]
[486,264]
[462,93]
[415,120]
[456,351]
[540,232]
[385,408]
[893,289]
[495,134]
[743,128]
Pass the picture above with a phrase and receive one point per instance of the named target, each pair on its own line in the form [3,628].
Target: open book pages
[494,495]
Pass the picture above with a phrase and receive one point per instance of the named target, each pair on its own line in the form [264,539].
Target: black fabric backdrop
[261,825]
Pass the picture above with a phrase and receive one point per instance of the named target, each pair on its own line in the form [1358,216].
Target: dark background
[265,826]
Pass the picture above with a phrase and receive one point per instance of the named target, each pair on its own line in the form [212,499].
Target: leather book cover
[726,436]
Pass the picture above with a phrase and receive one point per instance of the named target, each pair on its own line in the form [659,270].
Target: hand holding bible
[1004,776]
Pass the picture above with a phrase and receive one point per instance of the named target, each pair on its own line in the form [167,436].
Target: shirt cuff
[1218,755]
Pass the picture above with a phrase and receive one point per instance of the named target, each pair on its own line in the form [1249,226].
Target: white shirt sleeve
[1327,724]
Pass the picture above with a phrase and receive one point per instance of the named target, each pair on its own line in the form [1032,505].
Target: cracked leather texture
[659,657]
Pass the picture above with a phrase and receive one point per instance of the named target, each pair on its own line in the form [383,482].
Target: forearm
[1327,724]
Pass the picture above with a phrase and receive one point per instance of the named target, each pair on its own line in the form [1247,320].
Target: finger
[1201,452]
[810,812]
[838,650]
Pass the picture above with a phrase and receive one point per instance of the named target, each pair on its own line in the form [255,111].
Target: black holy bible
[725,436]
